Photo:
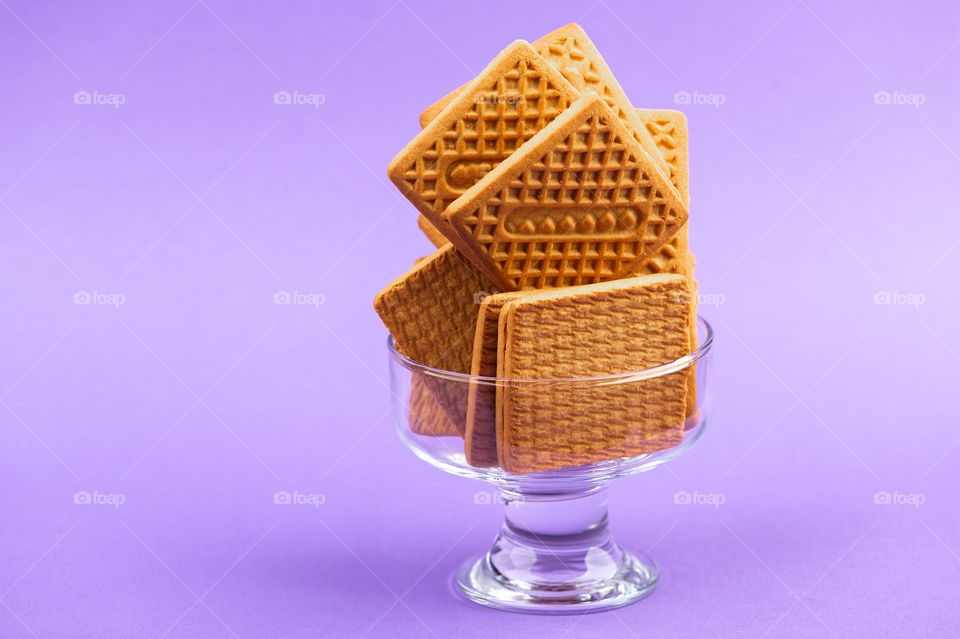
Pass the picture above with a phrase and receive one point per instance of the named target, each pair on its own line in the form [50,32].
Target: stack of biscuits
[559,215]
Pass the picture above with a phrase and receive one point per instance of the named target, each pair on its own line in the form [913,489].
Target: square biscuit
[587,331]
[669,131]
[571,51]
[480,438]
[512,99]
[579,203]
[668,128]
[431,311]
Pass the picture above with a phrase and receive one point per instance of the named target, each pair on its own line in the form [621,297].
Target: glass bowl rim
[660,370]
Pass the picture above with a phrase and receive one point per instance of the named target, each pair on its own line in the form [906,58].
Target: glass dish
[554,553]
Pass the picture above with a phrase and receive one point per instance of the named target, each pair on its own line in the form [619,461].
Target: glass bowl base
[635,577]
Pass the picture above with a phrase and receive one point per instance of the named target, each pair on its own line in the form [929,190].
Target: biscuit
[515,96]
[480,441]
[426,414]
[669,131]
[572,52]
[599,329]
[578,203]
[431,311]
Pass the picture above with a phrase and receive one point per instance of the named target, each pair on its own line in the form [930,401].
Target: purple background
[198,398]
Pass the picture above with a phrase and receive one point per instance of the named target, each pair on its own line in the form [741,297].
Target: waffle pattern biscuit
[480,439]
[579,203]
[431,311]
[593,330]
[436,237]
[669,131]
[518,94]
[572,52]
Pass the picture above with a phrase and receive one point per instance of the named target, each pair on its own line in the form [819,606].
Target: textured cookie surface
[579,203]
[599,329]
[431,311]
[669,131]
[572,52]
[515,96]
[480,439]
[579,61]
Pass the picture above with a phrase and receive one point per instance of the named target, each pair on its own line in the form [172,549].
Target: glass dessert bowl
[554,553]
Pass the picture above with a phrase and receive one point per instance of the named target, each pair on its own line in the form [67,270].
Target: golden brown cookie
[577,58]
[579,203]
[669,131]
[598,329]
[431,311]
[480,439]
[515,96]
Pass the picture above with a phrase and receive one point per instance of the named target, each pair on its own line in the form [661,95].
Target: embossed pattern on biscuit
[571,51]
[570,222]
[580,203]
[601,329]
[480,439]
[574,54]
[669,131]
[431,311]
[517,95]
